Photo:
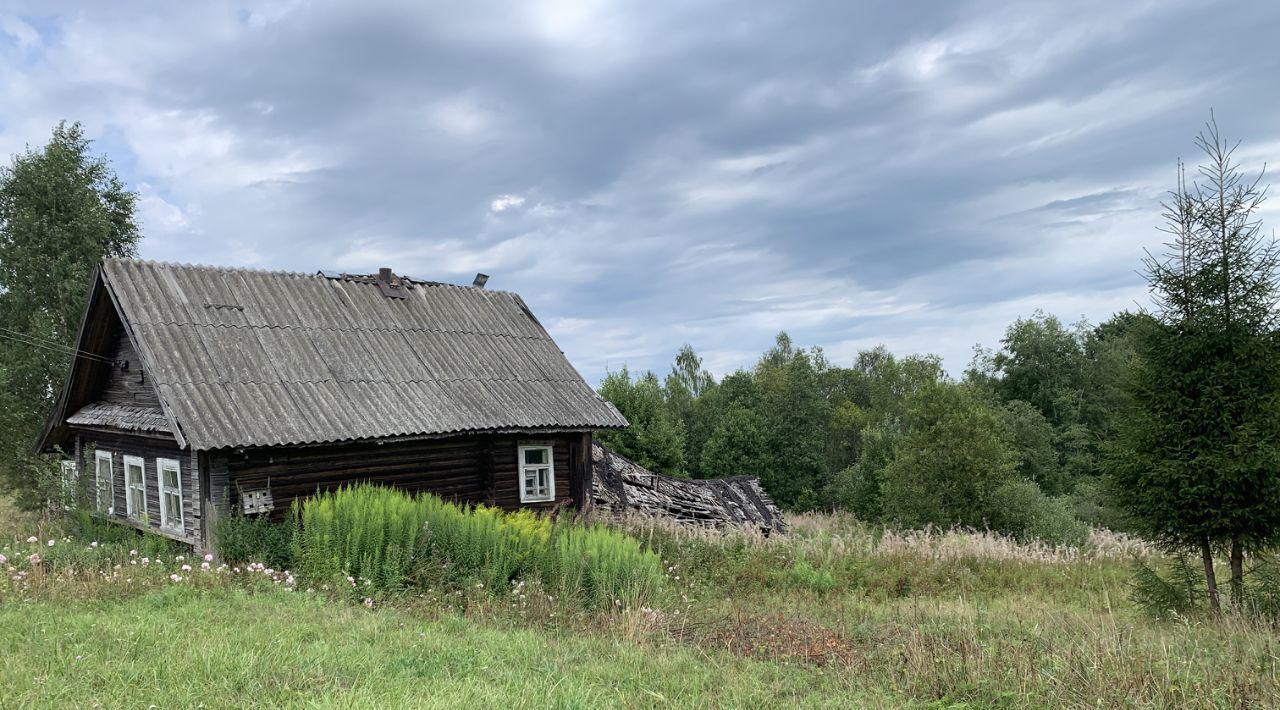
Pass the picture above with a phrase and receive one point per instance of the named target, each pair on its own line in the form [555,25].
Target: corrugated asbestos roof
[256,358]
[121,416]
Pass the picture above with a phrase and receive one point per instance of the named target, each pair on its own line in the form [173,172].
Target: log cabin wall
[473,469]
[128,386]
[148,449]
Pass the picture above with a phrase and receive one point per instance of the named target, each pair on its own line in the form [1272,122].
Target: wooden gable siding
[474,469]
[128,386]
[149,449]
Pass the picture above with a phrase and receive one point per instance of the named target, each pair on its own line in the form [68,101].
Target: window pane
[535,456]
[170,478]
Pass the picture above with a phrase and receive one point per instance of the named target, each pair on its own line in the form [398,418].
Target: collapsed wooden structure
[620,485]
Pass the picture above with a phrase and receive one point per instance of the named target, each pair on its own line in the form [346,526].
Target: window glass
[537,474]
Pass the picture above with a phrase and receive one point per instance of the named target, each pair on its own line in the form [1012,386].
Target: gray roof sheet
[121,416]
[257,358]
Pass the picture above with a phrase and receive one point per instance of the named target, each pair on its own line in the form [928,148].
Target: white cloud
[502,203]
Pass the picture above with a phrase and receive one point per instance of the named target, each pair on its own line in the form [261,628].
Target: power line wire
[33,341]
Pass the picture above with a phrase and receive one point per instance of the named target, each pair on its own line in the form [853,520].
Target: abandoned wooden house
[198,389]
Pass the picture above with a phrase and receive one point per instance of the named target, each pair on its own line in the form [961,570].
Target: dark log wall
[149,449]
[129,384]
[477,469]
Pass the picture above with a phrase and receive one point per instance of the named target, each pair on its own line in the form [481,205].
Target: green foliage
[1019,508]
[737,446]
[256,538]
[655,438]
[61,211]
[1175,591]
[382,537]
[601,566]
[1033,441]
[364,532]
[954,455]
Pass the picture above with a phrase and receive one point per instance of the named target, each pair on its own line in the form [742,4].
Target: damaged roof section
[621,485]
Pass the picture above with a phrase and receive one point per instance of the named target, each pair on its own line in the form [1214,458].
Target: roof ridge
[522,380]
[341,330]
[294,274]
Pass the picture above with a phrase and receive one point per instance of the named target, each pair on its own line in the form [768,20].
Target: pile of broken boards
[620,485]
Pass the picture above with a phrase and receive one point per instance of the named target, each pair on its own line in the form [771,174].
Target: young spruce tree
[1197,462]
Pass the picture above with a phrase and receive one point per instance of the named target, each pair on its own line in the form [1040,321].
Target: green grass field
[831,616]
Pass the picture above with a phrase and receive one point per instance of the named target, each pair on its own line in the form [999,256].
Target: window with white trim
[537,474]
[169,476]
[135,483]
[70,479]
[104,481]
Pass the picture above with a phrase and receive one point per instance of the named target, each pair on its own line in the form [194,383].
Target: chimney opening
[480,280]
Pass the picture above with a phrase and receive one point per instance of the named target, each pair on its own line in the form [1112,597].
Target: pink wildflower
[204,566]
[186,568]
[208,557]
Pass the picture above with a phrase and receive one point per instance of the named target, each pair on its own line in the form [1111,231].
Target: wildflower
[33,558]
[175,578]
[133,553]
[204,566]
[146,561]
[93,544]
[3,559]
[208,557]
[186,568]
[368,601]
[33,538]
[179,558]
[51,543]
[236,570]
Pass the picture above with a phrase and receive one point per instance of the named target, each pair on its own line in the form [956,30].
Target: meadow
[833,614]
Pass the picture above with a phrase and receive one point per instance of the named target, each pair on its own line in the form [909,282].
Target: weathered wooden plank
[619,485]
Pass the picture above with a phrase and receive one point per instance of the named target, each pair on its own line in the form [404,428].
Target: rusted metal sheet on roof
[255,358]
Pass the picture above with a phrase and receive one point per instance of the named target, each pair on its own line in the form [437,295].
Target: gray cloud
[653,174]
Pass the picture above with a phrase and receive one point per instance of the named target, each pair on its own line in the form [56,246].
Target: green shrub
[245,538]
[1021,510]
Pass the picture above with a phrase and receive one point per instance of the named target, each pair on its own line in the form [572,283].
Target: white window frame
[107,487]
[130,486]
[525,470]
[163,465]
[70,483]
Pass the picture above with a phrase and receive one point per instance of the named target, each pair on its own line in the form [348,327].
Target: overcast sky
[648,174]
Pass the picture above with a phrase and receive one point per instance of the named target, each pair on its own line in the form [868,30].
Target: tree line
[1164,422]
[1015,444]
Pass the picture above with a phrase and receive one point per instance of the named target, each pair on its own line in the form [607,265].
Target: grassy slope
[178,647]
[930,621]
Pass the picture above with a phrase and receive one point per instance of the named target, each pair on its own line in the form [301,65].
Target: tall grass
[377,536]
[363,532]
